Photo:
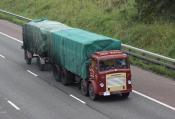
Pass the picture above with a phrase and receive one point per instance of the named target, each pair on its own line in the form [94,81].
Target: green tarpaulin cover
[35,35]
[68,47]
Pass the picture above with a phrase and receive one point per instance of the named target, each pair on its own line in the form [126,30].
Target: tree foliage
[150,9]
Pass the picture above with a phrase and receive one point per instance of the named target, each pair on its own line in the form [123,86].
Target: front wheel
[92,94]
[125,95]
[84,87]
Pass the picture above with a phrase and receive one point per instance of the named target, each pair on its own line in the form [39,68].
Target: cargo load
[72,48]
[35,35]
[69,47]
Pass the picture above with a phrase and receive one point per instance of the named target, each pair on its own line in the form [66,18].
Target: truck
[95,61]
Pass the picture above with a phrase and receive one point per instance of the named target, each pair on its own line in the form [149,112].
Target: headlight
[129,82]
[101,85]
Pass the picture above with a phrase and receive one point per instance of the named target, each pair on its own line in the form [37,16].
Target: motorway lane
[33,94]
[7,111]
[146,82]
[13,29]
[156,86]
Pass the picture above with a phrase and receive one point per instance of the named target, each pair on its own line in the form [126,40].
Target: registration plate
[107,93]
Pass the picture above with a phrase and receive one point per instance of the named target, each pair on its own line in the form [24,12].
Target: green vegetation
[115,18]
[148,9]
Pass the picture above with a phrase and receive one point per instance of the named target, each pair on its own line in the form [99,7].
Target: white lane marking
[77,99]
[32,73]
[154,100]
[2,56]
[11,37]
[12,104]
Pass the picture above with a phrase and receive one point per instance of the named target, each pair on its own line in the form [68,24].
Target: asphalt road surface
[27,93]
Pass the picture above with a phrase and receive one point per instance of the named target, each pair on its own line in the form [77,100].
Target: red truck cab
[109,74]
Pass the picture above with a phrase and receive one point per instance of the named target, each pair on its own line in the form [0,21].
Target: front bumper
[108,93]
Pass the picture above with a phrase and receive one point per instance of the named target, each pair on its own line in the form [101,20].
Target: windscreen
[110,64]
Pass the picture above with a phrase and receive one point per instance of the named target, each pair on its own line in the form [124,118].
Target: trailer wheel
[56,73]
[84,87]
[92,94]
[125,95]
[28,56]
[41,66]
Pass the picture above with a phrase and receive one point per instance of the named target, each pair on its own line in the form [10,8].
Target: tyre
[66,77]
[28,57]
[41,66]
[84,87]
[56,73]
[125,95]
[92,94]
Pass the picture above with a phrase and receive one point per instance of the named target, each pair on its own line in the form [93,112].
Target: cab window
[109,64]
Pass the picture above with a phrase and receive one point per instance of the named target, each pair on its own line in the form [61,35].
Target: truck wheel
[71,77]
[67,77]
[64,77]
[41,66]
[92,94]
[125,95]
[84,87]
[56,73]
[28,57]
